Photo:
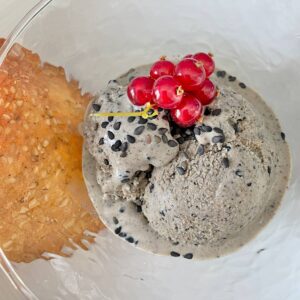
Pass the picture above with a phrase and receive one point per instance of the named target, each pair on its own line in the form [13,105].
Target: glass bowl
[95,41]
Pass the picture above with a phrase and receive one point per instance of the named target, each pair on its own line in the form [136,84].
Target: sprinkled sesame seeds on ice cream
[124,147]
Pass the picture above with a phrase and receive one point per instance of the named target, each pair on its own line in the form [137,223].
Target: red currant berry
[206,93]
[167,92]
[187,112]
[139,90]
[161,68]
[190,73]
[207,61]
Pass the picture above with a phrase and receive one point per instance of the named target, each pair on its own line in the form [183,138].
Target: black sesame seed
[116,146]
[112,81]
[260,250]
[138,208]
[207,111]
[205,128]
[239,173]
[115,220]
[121,210]
[172,143]
[228,148]
[131,119]
[242,85]
[117,125]
[269,170]
[150,112]
[225,162]
[175,254]
[176,130]
[148,175]
[142,120]
[110,119]
[231,78]
[110,135]
[123,154]
[249,184]
[101,141]
[124,147]
[189,138]
[137,173]
[118,230]
[180,140]
[122,234]
[164,138]
[151,187]
[130,139]
[139,130]
[188,255]
[218,130]
[201,150]
[180,170]
[162,213]
[130,239]
[197,131]
[118,143]
[96,107]
[104,124]
[218,139]
[282,135]
[221,74]
[162,130]
[125,180]
[235,127]
[106,162]
[152,118]
[152,126]
[216,112]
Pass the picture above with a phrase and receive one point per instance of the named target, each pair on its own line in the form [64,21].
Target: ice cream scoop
[127,144]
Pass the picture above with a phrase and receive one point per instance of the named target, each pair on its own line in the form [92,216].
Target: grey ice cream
[220,182]
[207,189]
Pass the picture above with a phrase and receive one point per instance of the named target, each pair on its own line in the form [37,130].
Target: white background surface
[259,41]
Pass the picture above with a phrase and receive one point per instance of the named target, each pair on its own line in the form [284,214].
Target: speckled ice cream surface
[125,147]
[205,196]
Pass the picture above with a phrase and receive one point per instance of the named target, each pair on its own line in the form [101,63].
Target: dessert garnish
[148,112]
[183,88]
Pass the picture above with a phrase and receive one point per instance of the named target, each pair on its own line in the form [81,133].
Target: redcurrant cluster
[183,88]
